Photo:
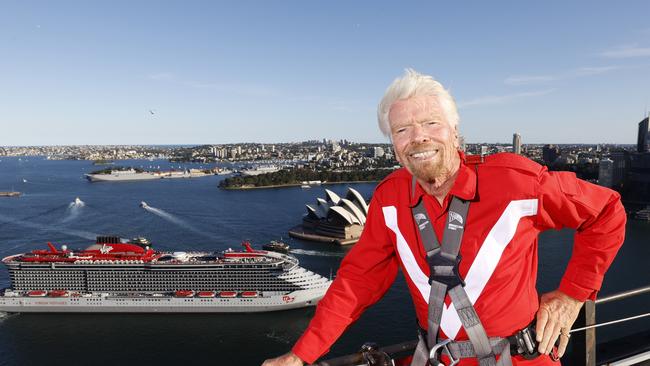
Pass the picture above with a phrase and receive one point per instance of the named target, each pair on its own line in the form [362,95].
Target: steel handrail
[623,295]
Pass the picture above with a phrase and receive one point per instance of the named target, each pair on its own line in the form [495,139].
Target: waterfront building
[334,219]
[516,143]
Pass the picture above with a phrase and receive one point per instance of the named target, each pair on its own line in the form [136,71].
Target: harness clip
[525,343]
[437,350]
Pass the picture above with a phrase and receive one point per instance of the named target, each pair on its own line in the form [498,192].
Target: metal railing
[584,343]
[583,336]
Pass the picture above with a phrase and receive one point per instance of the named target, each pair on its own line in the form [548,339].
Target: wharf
[300,233]
[9,194]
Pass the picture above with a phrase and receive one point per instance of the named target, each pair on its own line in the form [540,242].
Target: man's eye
[432,123]
[400,130]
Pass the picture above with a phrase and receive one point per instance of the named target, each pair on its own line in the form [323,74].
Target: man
[511,200]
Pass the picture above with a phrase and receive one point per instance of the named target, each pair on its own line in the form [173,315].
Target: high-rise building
[516,143]
[606,172]
[550,153]
[461,143]
[643,138]
[378,151]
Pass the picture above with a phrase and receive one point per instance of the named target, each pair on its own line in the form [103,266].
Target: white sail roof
[332,197]
[344,214]
[358,200]
[356,211]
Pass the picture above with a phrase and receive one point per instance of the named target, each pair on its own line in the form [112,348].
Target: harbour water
[194,214]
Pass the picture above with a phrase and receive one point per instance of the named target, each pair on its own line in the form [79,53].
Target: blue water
[195,214]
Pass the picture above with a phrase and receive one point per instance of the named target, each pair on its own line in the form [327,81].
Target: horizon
[170,73]
[307,141]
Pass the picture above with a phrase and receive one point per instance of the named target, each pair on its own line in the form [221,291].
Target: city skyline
[172,73]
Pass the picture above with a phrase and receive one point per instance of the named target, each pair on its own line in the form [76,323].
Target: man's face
[424,141]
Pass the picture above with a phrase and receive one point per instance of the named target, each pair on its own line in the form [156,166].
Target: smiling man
[464,232]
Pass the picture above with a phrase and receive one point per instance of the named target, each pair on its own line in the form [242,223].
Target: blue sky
[89,72]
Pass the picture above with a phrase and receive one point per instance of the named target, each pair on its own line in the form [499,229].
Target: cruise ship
[113,276]
[121,175]
[134,175]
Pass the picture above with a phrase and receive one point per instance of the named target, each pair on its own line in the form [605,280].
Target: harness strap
[444,278]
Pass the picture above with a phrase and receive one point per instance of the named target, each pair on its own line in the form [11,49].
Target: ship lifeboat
[228,294]
[250,294]
[206,294]
[37,293]
[184,293]
[58,293]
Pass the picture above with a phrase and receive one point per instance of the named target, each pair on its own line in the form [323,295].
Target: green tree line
[297,176]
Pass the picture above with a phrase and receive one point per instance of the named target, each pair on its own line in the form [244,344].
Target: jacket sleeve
[365,275]
[599,219]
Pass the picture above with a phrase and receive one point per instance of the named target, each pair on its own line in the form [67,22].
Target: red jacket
[513,200]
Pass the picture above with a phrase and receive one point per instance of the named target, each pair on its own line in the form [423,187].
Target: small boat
[58,293]
[250,294]
[37,293]
[305,186]
[277,246]
[143,204]
[228,294]
[78,201]
[206,294]
[184,293]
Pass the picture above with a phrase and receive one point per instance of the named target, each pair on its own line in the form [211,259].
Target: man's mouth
[424,155]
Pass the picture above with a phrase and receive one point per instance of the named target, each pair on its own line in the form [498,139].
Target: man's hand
[557,313]
[287,359]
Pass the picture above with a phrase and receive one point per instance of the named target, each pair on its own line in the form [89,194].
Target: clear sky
[193,72]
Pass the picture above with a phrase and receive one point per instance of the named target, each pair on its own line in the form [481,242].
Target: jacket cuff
[306,348]
[576,291]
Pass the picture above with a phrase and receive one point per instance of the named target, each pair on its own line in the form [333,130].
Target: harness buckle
[438,349]
[524,343]
[445,270]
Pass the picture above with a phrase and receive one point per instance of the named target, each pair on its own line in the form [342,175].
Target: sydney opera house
[334,219]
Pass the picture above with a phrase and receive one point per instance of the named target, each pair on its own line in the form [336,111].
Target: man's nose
[419,134]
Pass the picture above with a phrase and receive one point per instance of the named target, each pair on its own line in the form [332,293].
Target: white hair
[414,84]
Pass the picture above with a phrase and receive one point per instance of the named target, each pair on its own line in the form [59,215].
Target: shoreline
[248,187]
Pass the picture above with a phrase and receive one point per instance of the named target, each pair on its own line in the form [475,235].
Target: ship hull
[119,304]
[121,178]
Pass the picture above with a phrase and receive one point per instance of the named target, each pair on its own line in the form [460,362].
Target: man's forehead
[415,107]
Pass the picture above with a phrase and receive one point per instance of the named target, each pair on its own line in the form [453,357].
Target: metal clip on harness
[372,356]
[523,343]
[436,351]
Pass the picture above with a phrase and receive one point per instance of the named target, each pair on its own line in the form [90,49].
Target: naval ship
[113,276]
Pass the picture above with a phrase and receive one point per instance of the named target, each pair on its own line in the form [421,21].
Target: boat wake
[317,253]
[279,337]
[73,210]
[34,225]
[175,220]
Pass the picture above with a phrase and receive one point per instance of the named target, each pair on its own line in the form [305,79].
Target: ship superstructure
[113,276]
